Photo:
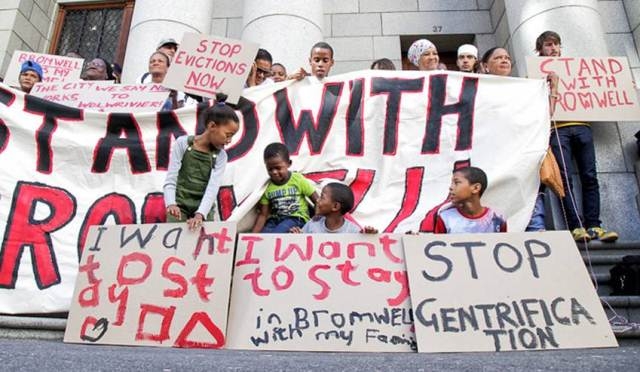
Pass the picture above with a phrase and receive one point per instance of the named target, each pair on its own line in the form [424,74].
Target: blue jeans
[576,142]
[537,216]
[282,225]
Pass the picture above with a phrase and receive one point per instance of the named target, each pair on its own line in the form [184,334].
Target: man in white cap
[168,47]
[467,58]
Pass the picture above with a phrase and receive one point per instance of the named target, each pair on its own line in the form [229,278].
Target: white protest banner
[153,285]
[503,292]
[104,96]
[393,136]
[205,65]
[590,88]
[54,68]
[322,292]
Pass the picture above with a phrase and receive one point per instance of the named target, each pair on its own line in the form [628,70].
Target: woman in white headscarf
[424,55]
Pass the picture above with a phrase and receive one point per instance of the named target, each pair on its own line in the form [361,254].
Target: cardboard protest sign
[590,88]
[54,68]
[153,285]
[104,96]
[205,65]
[323,292]
[503,292]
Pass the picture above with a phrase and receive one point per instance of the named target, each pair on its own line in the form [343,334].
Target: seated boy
[283,204]
[464,213]
[334,202]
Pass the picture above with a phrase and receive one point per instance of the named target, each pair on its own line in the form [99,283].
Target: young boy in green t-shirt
[283,204]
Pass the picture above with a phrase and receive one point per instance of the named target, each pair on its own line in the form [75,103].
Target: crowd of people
[284,208]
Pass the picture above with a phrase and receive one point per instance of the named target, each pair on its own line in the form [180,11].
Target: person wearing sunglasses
[261,69]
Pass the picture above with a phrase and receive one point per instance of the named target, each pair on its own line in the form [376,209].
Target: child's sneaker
[602,234]
[580,235]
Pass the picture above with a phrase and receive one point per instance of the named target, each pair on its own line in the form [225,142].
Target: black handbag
[625,277]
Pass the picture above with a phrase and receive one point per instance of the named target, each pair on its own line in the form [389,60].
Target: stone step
[30,327]
[600,257]
[622,311]
[624,315]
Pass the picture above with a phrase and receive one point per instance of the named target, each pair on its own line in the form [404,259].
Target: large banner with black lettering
[321,292]
[154,285]
[503,292]
[393,136]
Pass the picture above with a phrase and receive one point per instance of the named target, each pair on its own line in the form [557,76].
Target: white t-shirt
[318,226]
[187,100]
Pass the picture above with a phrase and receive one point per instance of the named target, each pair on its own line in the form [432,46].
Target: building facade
[360,31]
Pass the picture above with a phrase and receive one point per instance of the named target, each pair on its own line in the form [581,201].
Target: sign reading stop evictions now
[205,65]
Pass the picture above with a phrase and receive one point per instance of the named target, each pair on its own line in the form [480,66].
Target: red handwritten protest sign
[503,292]
[104,95]
[54,68]
[154,285]
[329,292]
[205,65]
[590,88]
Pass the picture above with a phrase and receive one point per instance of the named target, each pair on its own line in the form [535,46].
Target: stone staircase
[599,258]
[624,311]
[43,327]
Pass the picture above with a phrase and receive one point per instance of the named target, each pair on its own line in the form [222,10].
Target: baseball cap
[31,66]
[164,42]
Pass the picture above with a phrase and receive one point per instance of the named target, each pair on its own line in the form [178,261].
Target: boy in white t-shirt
[320,60]
[464,213]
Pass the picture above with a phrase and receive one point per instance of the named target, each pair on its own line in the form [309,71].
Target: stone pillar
[577,21]
[154,20]
[287,29]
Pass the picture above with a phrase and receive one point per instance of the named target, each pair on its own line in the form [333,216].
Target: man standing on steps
[574,140]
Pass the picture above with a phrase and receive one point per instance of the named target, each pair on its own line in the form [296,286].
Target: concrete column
[577,21]
[154,20]
[287,29]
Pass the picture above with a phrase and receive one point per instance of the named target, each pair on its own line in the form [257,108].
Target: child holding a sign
[464,213]
[196,168]
[283,204]
[335,201]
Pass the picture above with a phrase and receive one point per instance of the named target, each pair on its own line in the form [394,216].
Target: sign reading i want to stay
[320,292]
[502,292]
[153,285]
